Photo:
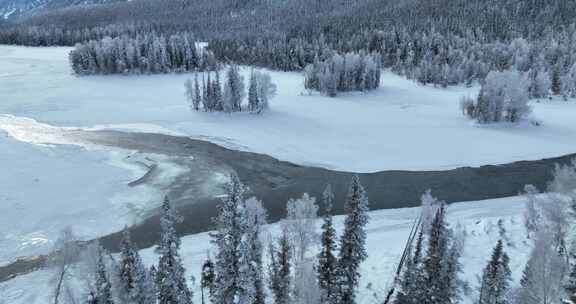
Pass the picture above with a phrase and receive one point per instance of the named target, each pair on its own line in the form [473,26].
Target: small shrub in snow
[503,98]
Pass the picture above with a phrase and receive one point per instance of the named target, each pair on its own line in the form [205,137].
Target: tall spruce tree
[218,103]
[496,278]
[253,99]
[230,229]
[233,90]
[279,270]
[327,261]
[197,98]
[256,218]
[170,277]
[103,289]
[353,242]
[434,261]
[135,283]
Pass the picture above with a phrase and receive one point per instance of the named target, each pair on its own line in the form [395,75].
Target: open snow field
[400,126]
[387,233]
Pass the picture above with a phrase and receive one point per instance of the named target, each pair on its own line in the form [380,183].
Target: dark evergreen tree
[103,289]
[253,100]
[434,262]
[496,278]
[441,264]
[135,284]
[230,229]
[170,277]
[279,270]
[353,242]
[197,98]
[327,261]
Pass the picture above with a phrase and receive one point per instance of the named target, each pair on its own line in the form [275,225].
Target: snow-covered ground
[400,126]
[387,233]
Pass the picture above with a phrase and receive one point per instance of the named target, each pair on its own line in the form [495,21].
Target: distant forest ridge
[487,19]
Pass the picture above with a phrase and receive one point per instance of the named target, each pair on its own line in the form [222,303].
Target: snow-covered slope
[12,8]
[402,125]
[387,232]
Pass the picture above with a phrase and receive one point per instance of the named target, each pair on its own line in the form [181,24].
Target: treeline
[50,35]
[150,53]
[428,57]
[275,52]
[489,20]
[349,72]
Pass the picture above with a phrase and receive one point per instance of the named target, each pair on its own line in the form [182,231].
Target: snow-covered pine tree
[253,100]
[496,278]
[435,260]
[189,88]
[327,261]
[103,289]
[233,90]
[247,274]
[197,99]
[230,229]
[251,266]
[218,102]
[353,242]
[207,93]
[279,273]
[556,80]
[170,277]
[135,284]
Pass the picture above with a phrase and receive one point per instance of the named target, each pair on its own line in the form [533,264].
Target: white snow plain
[387,232]
[401,126]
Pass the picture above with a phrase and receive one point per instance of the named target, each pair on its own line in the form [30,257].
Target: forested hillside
[492,19]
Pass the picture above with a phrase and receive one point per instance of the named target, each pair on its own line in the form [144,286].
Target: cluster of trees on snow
[236,273]
[343,73]
[100,278]
[503,98]
[304,265]
[141,55]
[209,95]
